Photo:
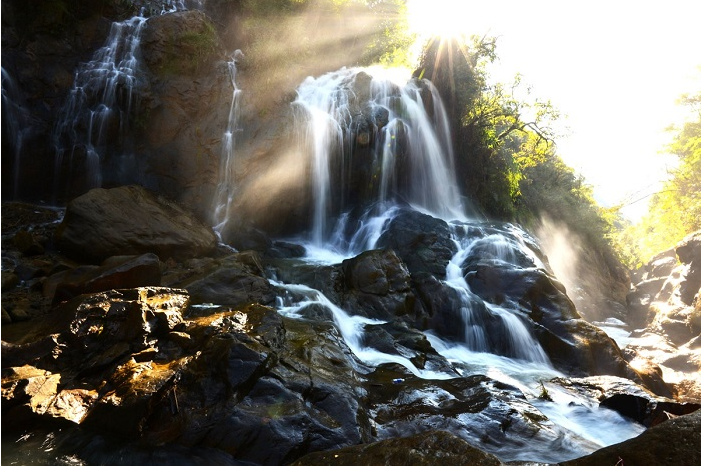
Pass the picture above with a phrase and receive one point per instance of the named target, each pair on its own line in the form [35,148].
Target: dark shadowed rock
[430,448]
[117,272]
[130,220]
[376,283]
[688,251]
[421,241]
[674,442]
[234,280]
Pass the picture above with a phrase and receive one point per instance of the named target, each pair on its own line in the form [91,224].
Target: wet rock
[118,272]
[282,249]
[573,345]
[243,236]
[479,410]
[629,399]
[376,283]
[674,442]
[232,281]
[130,220]
[131,389]
[421,241]
[430,448]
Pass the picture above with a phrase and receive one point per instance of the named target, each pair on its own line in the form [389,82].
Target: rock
[628,398]
[479,410]
[665,303]
[377,284]
[9,280]
[421,241]
[19,312]
[572,344]
[179,43]
[674,442]
[282,249]
[232,281]
[430,448]
[688,252]
[129,220]
[117,272]
[27,244]
[188,80]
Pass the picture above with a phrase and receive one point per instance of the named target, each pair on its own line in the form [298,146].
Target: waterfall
[371,140]
[15,125]
[351,328]
[508,334]
[100,102]
[224,195]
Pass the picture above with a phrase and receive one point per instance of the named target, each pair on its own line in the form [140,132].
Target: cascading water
[101,99]
[15,125]
[96,117]
[225,188]
[372,140]
[373,144]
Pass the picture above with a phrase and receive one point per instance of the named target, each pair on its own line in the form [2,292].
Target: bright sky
[615,68]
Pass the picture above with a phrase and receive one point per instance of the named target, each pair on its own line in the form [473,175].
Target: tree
[674,211]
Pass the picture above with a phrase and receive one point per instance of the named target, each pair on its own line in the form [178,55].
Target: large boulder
[376,283]
[117,272]
[188,81]
[130,220]
[422,242]
[237,279]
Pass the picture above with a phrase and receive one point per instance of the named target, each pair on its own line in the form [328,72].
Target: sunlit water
[409,143]
[582,424]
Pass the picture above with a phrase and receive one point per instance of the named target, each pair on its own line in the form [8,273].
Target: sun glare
[447,19]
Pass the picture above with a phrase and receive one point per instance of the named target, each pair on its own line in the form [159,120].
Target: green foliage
[673,212]
[190,50]
[505,150]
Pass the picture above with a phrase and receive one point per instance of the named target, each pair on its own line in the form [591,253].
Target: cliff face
[154,114]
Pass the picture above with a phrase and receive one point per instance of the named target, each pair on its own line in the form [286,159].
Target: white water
[519,361]
[225,192]
[15,122]
[102,95]
[411,156]
[350,327]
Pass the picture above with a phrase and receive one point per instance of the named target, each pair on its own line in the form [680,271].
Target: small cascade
[374,142]
[224,195]
[15,125]
[488,327]
[352,328]
[100,103]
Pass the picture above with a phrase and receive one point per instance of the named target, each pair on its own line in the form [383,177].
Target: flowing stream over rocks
[395,315]
[101,101]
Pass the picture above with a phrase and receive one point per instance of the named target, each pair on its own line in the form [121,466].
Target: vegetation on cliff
[506,151]
[674,211]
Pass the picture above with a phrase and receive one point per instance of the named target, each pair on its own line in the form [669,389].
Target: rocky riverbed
[131,336]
